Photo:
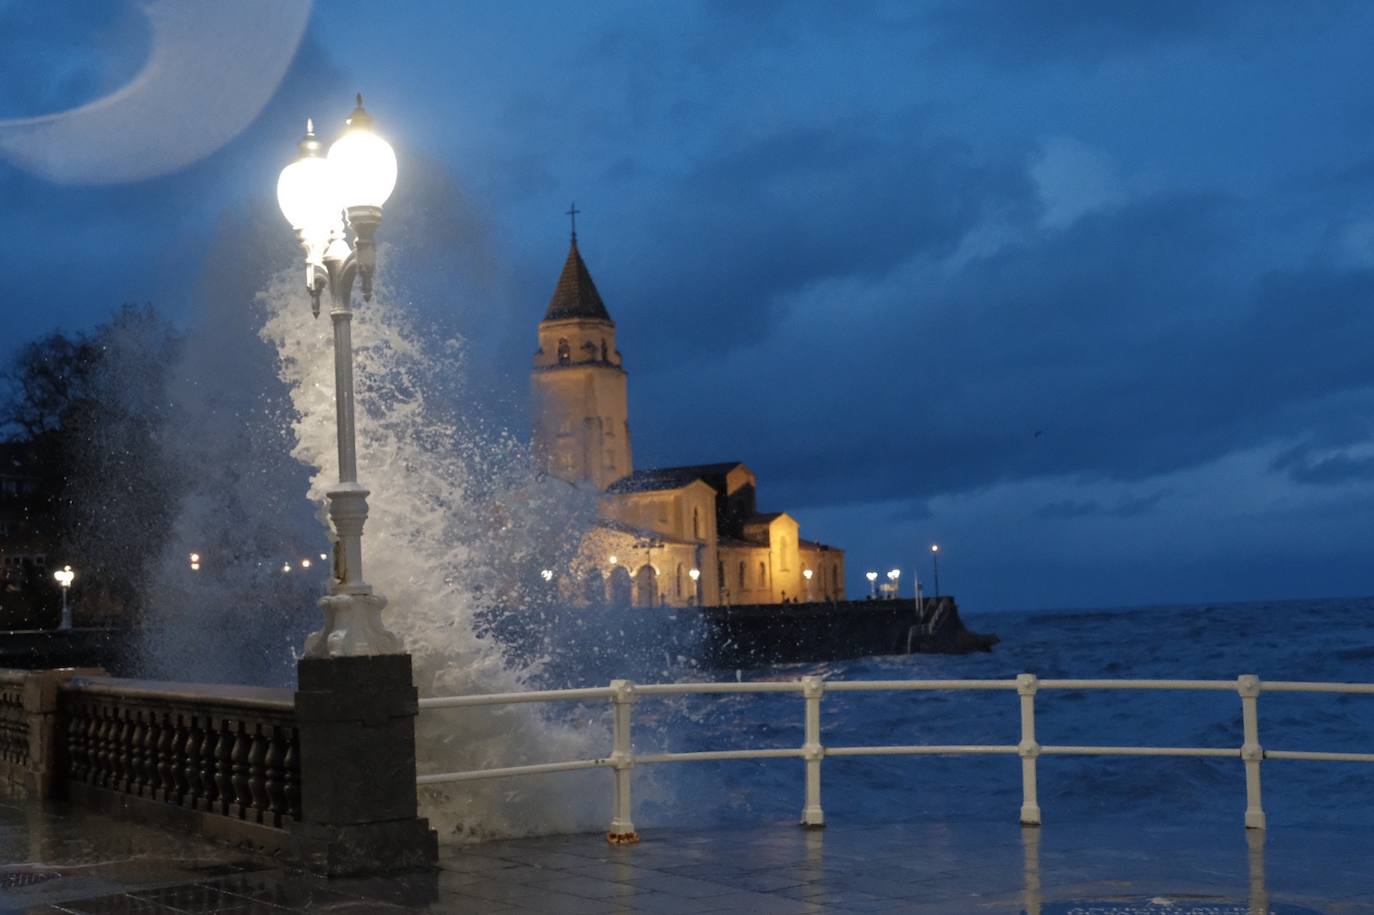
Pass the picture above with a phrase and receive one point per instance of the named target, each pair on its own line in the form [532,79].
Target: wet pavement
[55,858]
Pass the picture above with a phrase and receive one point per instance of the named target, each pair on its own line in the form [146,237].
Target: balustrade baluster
[166,781]
[122,763]
[195,785]
[151,739]
[107,746]
[181,778]
[74,723]
[276,798]
[291,774]
[207,764]
[223,779]
[89,743]
[243,797]
[257,772]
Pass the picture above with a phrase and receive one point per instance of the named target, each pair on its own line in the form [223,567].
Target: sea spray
[458,525]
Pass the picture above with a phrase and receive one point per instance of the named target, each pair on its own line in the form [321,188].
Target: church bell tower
[581,407]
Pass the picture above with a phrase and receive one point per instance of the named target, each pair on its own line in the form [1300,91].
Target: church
[667,536]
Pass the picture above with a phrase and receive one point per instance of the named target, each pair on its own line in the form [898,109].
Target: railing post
[1248,685]
[1026,686]
[813,688]
[622,831]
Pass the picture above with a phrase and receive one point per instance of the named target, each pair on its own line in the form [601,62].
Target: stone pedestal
[356,717]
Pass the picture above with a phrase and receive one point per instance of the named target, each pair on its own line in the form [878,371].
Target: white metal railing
[623,694]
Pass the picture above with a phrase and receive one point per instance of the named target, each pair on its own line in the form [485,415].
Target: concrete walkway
[55,858]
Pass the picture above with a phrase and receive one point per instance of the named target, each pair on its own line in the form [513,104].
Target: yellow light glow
[694,574]
[614,560]
[305,563]
[195,557]
[807,573]
[195,567]
[365,166]
[286,567]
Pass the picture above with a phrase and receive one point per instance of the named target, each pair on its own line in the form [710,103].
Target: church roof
[575,296]
[666,478]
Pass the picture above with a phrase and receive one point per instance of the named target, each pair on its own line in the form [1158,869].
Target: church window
[564,352]
[763,574]
[696,523]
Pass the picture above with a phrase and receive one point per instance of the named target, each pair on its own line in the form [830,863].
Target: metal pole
[813,688]
[1026,686]
[66,611]
[1248,685]
[622,830]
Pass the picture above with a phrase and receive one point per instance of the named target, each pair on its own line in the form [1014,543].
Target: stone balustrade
[323,775]
[226,759]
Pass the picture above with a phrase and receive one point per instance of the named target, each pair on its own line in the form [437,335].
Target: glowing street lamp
[893,575]
[64,577]
[695,575]
[935,559]
[872,583]
[305,563]
[807,573]
[546,574]
[326,197]
[195,562]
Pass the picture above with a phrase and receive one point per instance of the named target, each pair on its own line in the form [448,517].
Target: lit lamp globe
[364,163]
[694,574]
[308,192]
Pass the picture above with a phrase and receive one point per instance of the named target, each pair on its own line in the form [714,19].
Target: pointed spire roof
[575,296]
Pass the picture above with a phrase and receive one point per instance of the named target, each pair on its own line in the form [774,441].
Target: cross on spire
[572,212]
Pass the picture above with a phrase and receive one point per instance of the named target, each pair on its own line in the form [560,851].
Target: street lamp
[64,577]
[807,573]
[892,576]
[546,574]
[872,583]
[353,180]
[195,562]
[935,558]
[695,575]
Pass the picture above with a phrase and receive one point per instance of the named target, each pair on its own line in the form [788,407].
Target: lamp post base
[352,627]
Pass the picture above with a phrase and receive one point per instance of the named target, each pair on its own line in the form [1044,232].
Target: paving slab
[57,859]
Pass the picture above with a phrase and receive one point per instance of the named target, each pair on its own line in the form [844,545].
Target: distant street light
[872,583]
[286,567]
[546,574]
[807,573]
[64,577]
[935,558]
[195,562]
[305,563]
[695,575]
[614,560]
[325,197]
[892,576]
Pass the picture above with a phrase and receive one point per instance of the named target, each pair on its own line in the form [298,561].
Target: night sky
[1082,291]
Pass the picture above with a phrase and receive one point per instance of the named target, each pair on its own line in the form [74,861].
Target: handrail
[624,693]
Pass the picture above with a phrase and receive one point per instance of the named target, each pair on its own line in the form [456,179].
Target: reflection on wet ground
[55,858]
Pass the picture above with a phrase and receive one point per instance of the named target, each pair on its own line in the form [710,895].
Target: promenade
[56,858]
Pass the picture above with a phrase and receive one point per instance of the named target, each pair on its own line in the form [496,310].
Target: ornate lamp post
[64,577]
[872,583]
[327,198]
[807,573]
[892,576]
[695,575]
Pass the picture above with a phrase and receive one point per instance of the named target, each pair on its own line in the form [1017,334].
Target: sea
[1314,640]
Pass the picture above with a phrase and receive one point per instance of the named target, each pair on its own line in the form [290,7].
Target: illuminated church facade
[670,536]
